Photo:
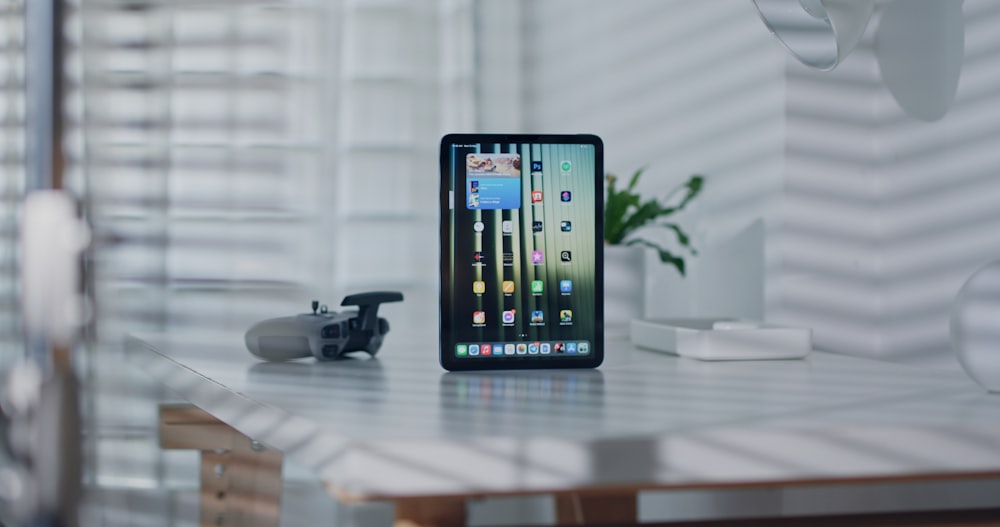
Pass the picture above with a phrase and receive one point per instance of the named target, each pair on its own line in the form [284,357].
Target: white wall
[827,206]
[886,215]
[679,87]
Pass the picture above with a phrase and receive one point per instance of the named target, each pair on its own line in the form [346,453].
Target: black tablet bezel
[447,343]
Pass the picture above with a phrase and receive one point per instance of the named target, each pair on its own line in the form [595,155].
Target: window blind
[236,159]
[12,175]
[198,134]
[406,78]
[241,158]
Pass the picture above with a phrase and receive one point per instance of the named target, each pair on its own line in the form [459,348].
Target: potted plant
[625,213]
[626,218]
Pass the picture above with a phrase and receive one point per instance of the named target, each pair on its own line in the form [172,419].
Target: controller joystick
[322,334]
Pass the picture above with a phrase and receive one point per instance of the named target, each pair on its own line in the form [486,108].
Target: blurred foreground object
[975,326]
[39,403]
[52,242]
[40,423]
[40,419]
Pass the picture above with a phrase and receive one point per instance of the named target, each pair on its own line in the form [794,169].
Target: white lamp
[919,43]
[820,33]
[920,47]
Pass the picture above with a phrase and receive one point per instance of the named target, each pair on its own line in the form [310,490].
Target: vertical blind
[241,158]
[204,150]
[198,130]
[275,151]
[405,78]
[12,173]
[237,158]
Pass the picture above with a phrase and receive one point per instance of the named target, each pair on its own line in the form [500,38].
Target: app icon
[566,167]
[583,348]
[497,350]
[507,226]
[479,226]
[537,317]
[478,317]
[508,286]
[479,287]
[536,166]
[522,349]
[559,347]
[478,257]
[473,349]
[508,259]
[537,287]
[537,257]
[533,348]
[545,348]
[536,196]
[566,226]
[461,350]
[566,196]
[536,226]
[565,286]
[508,316]
[566,256]
[486,349]
[570,347]
[508,349]
[566,315]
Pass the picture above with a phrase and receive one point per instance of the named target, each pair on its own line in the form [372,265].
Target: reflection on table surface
[350,373]
[635,392]
[519,402]
[513,389]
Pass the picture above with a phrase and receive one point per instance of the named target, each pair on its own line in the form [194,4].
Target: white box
[722,339]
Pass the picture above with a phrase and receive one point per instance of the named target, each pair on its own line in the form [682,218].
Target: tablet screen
[521,251]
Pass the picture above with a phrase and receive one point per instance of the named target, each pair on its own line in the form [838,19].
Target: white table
[400,428]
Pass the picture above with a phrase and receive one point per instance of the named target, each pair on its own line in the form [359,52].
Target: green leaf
[635,179]
[682,237]
[693,186]
[666,256]
[616,211]
[643,214]
[625,213]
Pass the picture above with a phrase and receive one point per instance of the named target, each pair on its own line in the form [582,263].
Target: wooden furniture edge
[240,479]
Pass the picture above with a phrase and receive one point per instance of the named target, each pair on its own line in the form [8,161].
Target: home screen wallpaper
[522,242]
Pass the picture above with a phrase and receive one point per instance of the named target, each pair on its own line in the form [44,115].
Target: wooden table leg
[597,509]
[240,478]
[214,487]
[430,512]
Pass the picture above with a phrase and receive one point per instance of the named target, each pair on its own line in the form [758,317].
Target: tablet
[522,259]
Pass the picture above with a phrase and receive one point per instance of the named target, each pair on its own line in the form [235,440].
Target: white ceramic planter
[624,286]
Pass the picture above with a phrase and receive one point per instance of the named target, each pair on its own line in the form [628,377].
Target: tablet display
[521,251]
